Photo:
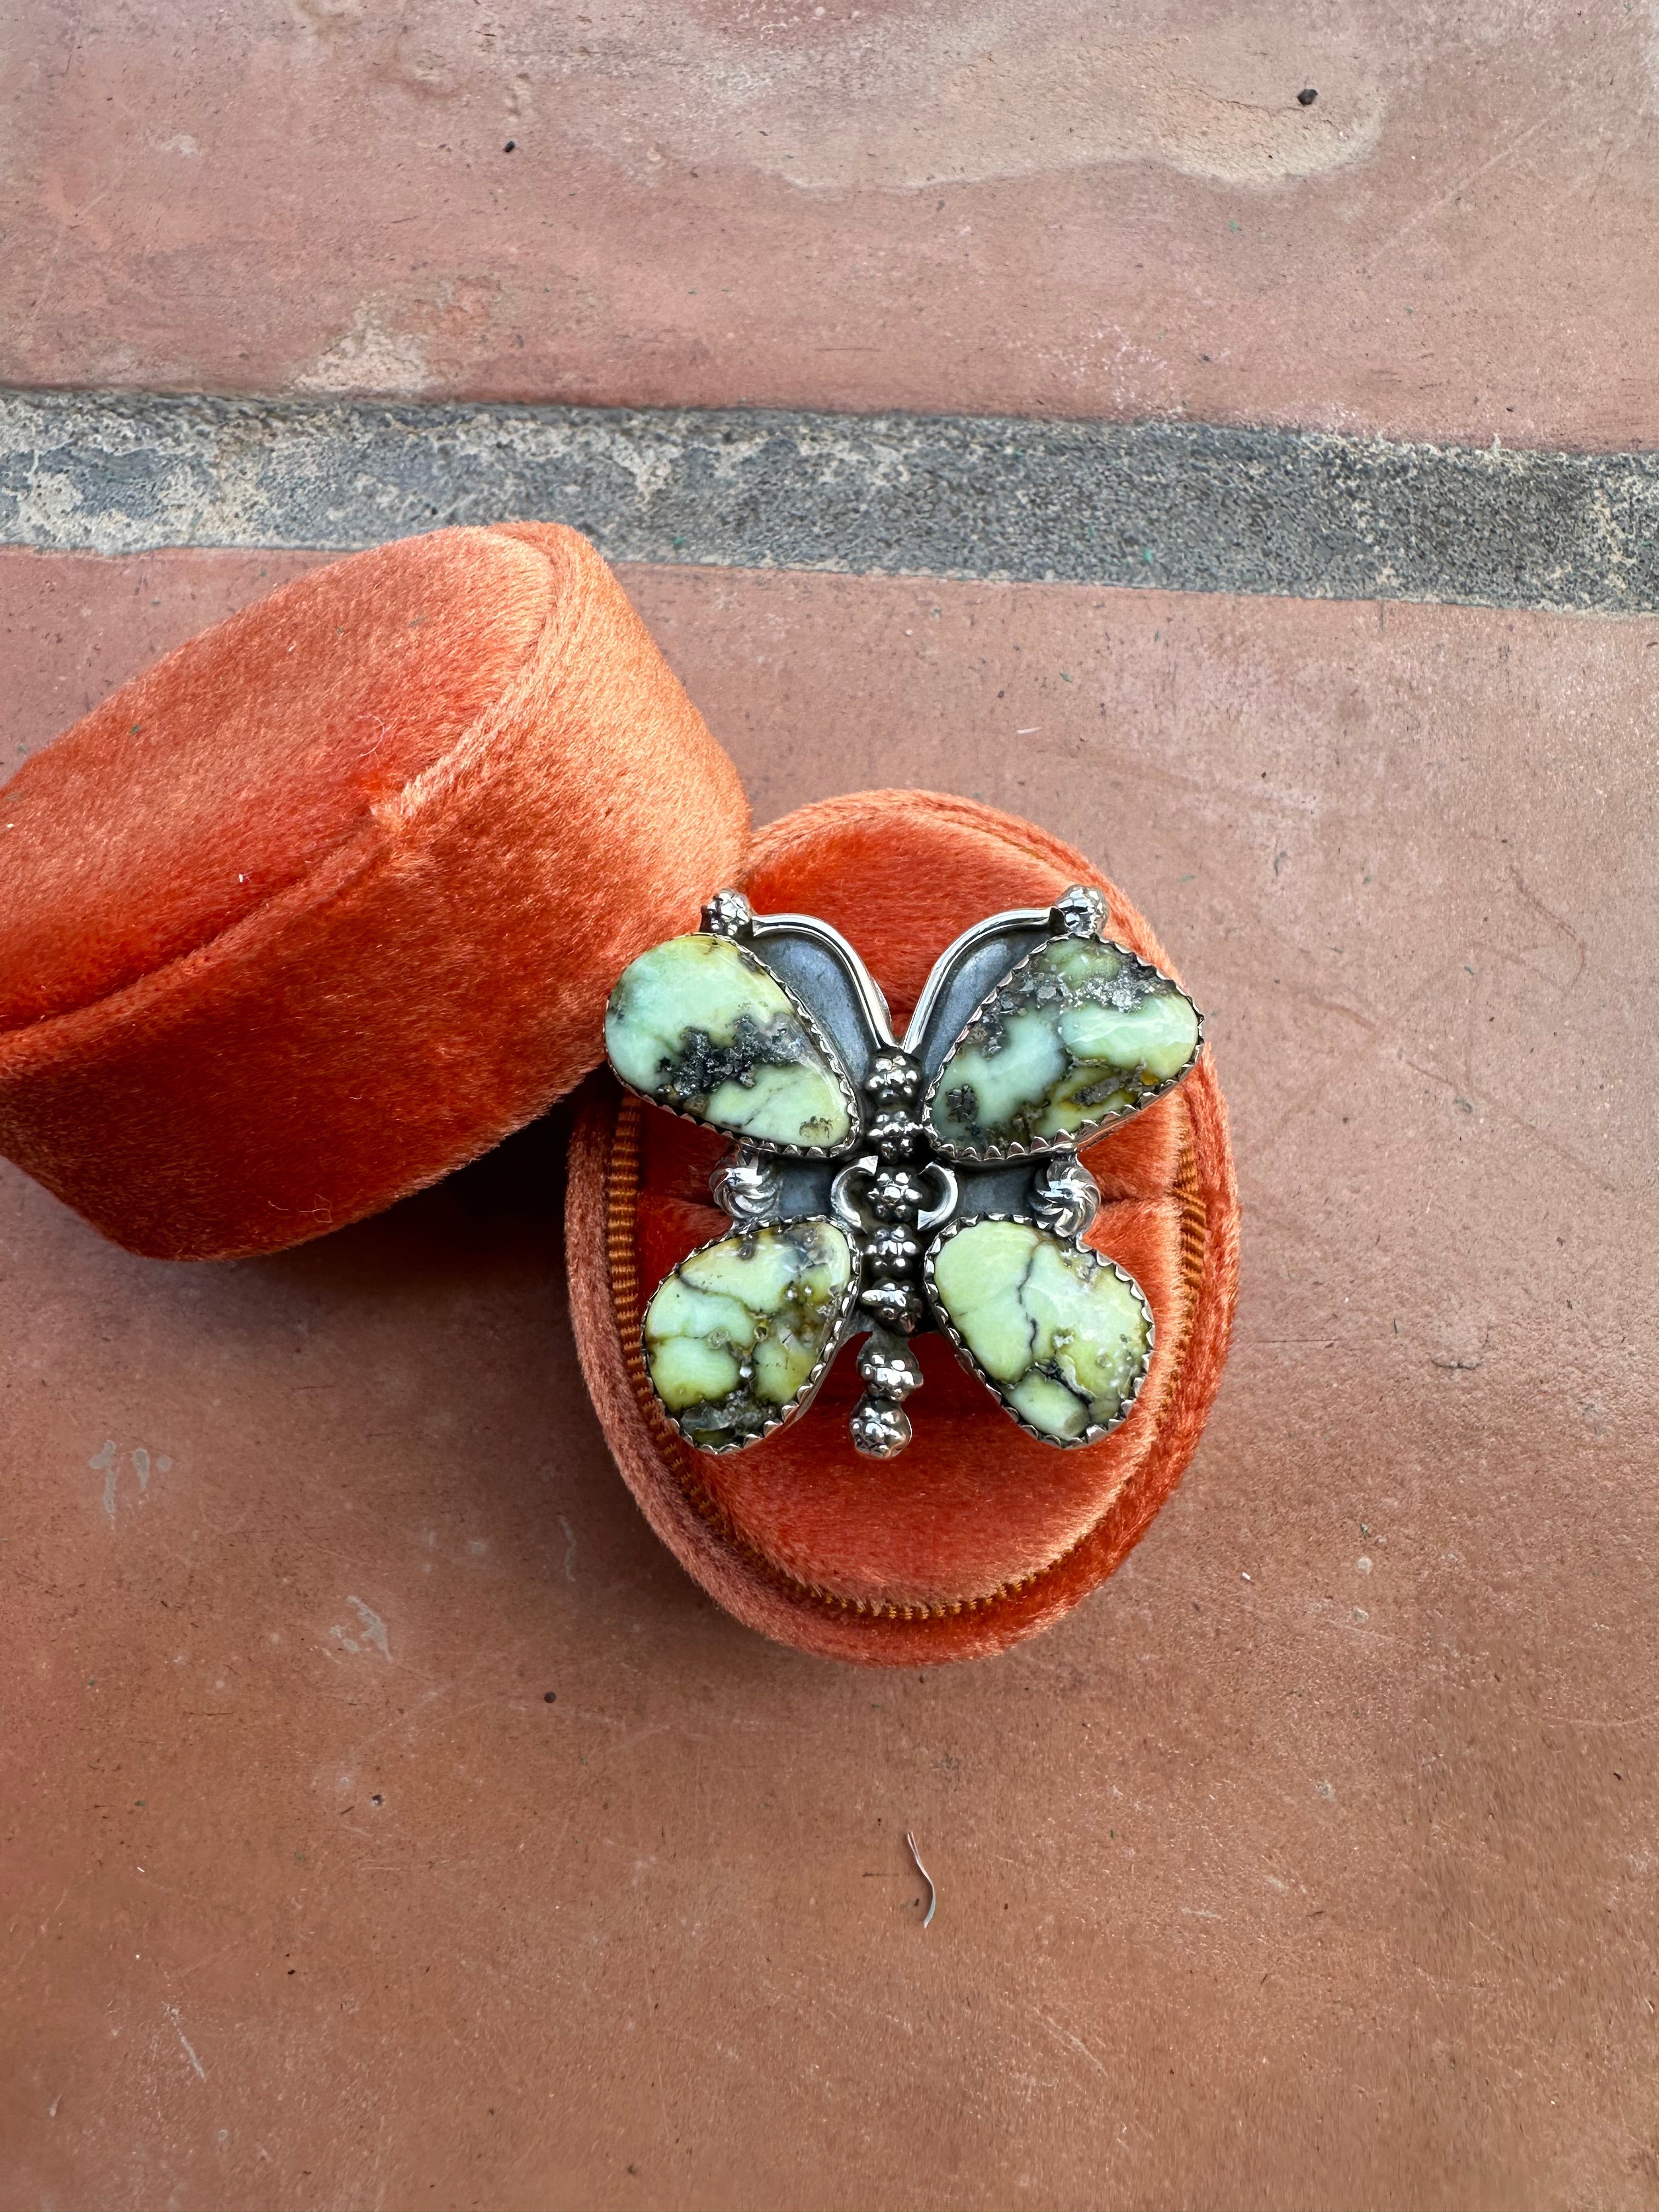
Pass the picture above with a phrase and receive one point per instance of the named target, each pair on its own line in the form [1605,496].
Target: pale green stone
[1087,1094]
[977,1273]
[700,1025]
[782,1363]
[680,1308]
[734,1334]
[1079,960]
[1077,1038]
[1030,1061]
[1049,1405]
[1090,1324]
[1060,1336]
[798,1105]
[1159,1034]
[756,1272]
[686,1370]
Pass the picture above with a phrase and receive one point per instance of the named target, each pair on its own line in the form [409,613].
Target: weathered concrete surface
[1310,1864]
[1179,507]
[1022,206]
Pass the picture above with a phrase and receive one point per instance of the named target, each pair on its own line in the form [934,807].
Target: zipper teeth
[621,1252]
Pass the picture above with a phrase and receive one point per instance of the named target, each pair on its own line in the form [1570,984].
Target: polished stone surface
[1077,1036]
[698,1023]
[1060,1334]
[734,1334]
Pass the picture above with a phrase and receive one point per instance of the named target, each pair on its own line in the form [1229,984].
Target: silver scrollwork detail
[1064,1196]
[749,1189]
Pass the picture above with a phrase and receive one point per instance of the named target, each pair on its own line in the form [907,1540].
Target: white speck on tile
[103,1462]
[172,2012]
[373,1628]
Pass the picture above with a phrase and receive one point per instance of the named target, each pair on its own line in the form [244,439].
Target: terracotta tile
[1307,1863]
[75,629]
[997,207]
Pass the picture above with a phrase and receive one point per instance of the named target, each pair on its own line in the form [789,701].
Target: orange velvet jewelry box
[332,899]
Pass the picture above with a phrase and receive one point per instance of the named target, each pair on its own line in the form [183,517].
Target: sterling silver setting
[728,914]
[897,1186]
[1143,972]
[1095,1429]
[841,1328]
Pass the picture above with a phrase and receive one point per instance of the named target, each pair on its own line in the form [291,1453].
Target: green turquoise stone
[1058,1333]
[699,1025]
[1077,1037]
[732,1335]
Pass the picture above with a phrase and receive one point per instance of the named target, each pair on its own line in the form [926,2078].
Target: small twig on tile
[932,1891]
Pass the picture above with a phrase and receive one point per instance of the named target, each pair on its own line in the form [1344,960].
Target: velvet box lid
[331,900]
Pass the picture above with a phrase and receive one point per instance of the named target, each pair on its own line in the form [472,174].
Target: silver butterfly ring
[890,1187]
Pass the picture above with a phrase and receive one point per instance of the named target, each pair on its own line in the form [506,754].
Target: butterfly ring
[881,1186]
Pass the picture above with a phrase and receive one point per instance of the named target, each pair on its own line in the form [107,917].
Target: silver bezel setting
[764,1183]
[827,1051]
[1070,1140]
[834,1339]
[1095,1431]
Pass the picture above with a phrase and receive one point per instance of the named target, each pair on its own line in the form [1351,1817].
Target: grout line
[1176,505]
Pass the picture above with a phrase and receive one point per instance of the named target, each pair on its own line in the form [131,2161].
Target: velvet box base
[978,1535]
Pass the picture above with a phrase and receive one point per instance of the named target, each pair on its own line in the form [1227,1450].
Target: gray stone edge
[1176,505]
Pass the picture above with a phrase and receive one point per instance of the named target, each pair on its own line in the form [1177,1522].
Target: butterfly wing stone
[739,1333]
[1077,1036]
[700,1025]
[1063,1337]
